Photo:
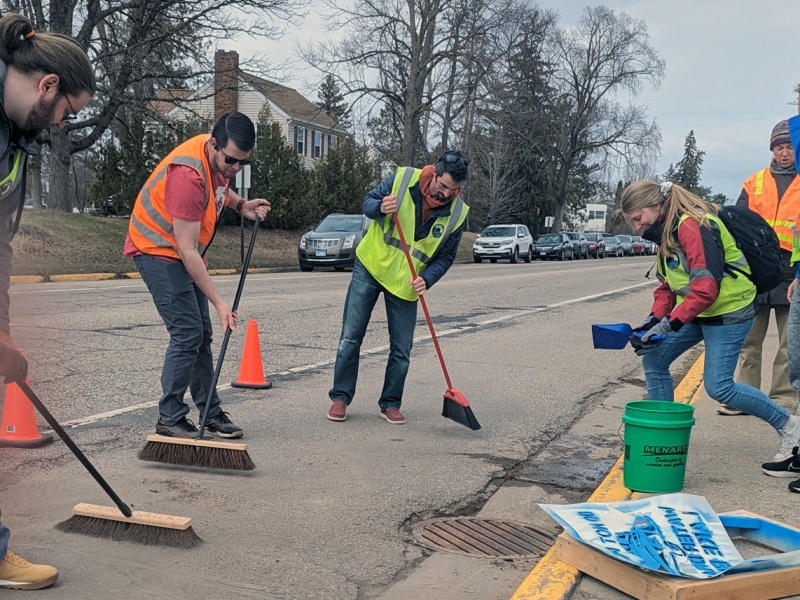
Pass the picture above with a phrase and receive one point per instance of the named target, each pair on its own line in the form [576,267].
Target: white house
[306,127]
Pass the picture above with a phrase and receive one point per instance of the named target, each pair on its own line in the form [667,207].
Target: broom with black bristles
[197,451]
[121,523]
[455,407]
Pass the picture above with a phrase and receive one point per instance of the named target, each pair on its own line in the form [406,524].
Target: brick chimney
[226,82]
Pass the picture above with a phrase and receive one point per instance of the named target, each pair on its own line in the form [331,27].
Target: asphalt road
[327,513]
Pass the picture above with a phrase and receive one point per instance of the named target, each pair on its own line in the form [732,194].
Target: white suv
[503,241]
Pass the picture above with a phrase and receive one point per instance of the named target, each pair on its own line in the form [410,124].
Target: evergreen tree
[341,181]
[332,102]
[689,169]
[278,176]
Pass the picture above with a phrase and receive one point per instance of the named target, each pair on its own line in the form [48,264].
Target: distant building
[305,126]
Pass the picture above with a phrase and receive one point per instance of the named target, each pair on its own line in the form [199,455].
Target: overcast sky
[731,69]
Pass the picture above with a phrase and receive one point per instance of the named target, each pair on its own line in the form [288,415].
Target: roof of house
[290,101]
[165,100]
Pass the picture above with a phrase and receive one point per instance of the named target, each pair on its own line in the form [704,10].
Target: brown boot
[17,573]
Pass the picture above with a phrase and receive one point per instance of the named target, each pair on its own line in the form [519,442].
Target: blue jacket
[794,134]
[447,253]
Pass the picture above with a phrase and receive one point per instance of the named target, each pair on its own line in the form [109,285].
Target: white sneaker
[723,409]
[790,436]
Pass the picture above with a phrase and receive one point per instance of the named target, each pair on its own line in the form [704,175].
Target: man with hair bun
[45,80]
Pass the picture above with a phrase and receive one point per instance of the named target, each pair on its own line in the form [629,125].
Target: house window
[332,141]
[317,144]
[597,214]
[300,140]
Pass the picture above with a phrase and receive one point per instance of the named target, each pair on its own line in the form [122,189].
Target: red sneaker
[393,415]
[338,411]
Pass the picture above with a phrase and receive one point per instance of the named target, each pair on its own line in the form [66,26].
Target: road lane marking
[376,350]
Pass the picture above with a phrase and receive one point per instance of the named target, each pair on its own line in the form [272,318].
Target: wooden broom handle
[422,301]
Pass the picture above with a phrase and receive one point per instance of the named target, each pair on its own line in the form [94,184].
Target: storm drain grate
[483,537]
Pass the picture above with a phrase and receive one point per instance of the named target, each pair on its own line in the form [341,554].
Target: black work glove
[648,324]
[641,348]
[13,365]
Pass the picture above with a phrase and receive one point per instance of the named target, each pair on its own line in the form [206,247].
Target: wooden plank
[137,517]
[644,585]
[190,442]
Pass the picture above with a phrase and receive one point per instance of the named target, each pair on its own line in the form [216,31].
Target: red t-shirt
[185,197]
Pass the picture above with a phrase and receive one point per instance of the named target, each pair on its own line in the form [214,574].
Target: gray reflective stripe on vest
[147,204]
[388,235]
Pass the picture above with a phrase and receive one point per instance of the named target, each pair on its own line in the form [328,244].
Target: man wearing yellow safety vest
[432,217]
[774,193]
[172,224]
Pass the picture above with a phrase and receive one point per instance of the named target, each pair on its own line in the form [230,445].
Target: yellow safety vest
[381,251]
[735,293]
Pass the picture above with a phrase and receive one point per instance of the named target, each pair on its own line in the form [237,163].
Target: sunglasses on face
[229,160]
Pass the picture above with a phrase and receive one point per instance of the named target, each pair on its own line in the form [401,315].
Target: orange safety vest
[762,192]
[150,226]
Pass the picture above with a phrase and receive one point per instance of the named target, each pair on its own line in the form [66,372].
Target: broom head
[456,408]
[196,453]
[147,528]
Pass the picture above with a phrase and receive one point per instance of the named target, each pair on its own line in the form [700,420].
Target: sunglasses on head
[452,157]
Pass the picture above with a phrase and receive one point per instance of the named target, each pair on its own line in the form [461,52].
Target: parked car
[333,242]
[597,244]
[554,245]
[580,242]
[613,245]
[503,241]
[650,248]
[626,242]
[638,245]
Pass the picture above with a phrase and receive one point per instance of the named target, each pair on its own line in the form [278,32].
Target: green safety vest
[735,293]
[381,251]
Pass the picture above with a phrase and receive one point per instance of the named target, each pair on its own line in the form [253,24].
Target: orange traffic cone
[251,373]
[18,428]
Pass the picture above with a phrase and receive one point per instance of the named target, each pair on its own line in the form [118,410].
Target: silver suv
[332,243]
[503,241]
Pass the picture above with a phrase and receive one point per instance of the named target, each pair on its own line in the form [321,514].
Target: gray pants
[4,535]
[780,389]
[793,339]
[188,362]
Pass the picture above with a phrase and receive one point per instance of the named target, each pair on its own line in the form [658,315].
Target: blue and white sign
[674,534]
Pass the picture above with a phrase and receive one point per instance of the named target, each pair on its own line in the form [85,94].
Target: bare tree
[140,46]
[608,53]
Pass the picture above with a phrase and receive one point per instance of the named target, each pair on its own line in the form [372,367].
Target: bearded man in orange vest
[774,193]
[172,224]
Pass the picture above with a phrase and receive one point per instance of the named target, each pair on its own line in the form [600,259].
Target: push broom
[199,452]
[456,407]
[121,523]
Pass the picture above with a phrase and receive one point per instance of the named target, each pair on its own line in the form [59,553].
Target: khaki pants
[780,390]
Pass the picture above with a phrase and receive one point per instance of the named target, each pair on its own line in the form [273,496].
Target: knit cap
[780,135]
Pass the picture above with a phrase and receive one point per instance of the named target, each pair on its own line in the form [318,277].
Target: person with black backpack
[773,193]
[706,294]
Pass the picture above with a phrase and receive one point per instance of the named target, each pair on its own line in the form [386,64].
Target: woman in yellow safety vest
[699,300]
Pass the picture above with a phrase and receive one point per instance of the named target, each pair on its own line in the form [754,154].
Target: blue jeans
[401,316]
[723,344]
[793,340]
[4,535]
[188,362]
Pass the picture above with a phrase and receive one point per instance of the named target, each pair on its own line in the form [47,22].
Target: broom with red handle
[456,407]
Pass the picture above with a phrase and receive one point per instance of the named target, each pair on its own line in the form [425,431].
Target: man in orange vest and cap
[774,193]
[172,224]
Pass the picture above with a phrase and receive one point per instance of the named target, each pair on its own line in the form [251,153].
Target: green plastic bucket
[656,443]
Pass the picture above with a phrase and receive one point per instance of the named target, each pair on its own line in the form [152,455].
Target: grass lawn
[52,242]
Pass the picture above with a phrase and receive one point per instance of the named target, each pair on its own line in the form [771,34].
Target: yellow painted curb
[15,279]
[223,272]
[552,579]
[83,277]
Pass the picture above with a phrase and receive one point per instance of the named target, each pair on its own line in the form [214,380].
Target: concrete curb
[22,279]
[552,579]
